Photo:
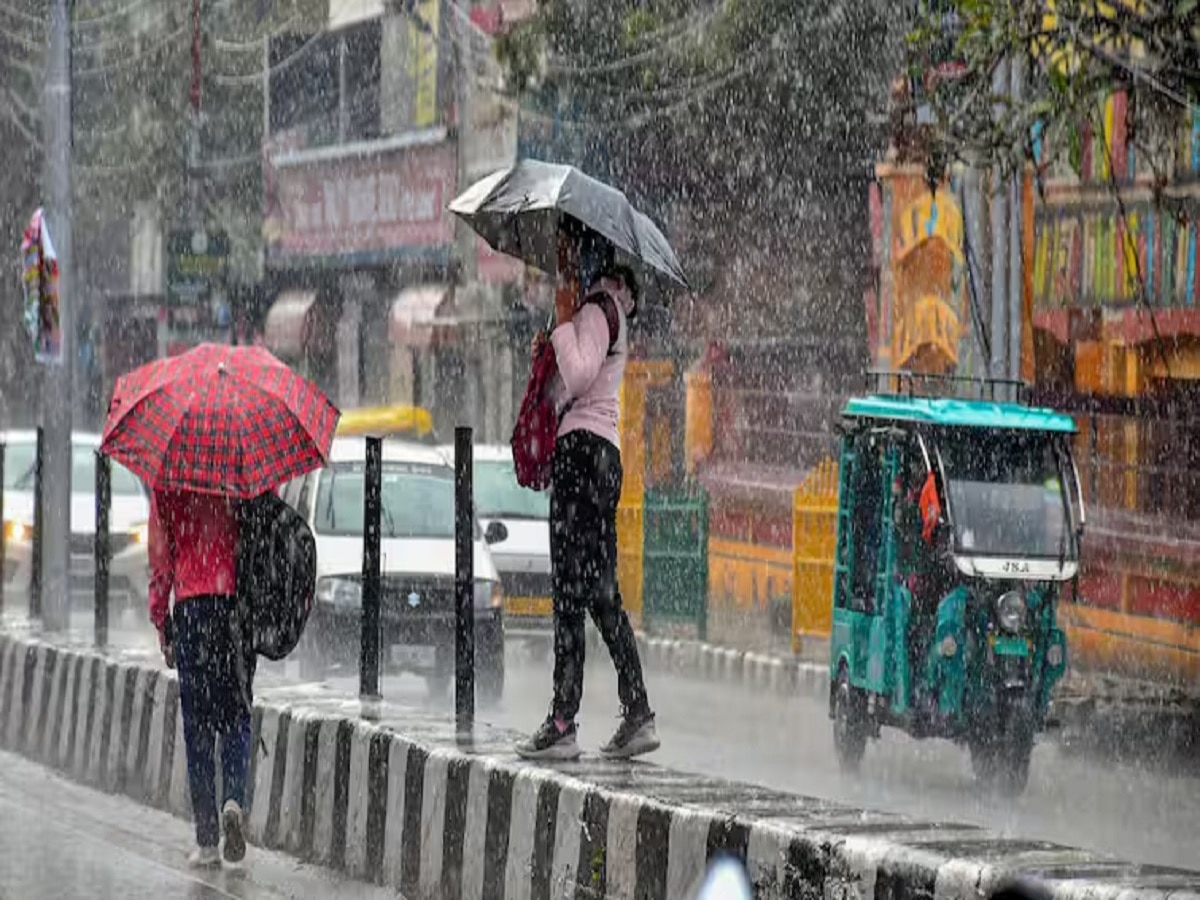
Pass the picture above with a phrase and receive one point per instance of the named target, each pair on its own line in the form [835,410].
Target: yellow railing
[814,541]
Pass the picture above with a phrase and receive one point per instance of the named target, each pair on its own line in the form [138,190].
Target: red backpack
[536,432]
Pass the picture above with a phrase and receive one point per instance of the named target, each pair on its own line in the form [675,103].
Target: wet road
[59,840]
[728,732]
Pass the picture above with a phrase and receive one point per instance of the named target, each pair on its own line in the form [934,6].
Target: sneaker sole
[235,837]
[556,753]
[634,748]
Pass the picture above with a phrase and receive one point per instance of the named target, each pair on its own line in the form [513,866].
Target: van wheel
[850,725]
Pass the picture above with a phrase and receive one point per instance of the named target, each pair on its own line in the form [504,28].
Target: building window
[304,88]
[325,87]
[362,65]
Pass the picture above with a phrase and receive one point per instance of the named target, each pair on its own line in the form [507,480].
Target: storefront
[354,234]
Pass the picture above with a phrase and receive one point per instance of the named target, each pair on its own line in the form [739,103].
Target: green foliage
[1075,53]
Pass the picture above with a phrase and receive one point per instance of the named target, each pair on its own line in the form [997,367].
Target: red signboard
[373,203]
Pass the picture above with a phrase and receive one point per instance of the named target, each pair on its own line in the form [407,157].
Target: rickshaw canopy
[956,413]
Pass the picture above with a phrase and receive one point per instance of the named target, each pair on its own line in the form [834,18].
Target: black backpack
[276,575]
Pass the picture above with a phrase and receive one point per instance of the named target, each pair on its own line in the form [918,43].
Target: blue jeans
[212,703]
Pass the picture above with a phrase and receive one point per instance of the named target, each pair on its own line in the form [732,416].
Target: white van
[417,561]
[129,515]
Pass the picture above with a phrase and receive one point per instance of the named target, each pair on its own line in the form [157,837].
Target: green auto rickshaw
[959,524]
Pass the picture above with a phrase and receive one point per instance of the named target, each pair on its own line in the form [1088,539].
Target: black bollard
[102,549]
[368,669]
[464,579]
[35,570]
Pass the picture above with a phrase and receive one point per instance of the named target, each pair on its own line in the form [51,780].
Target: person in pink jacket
[591,344]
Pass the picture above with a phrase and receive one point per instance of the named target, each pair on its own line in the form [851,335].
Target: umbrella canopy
[517,211]
[222,420]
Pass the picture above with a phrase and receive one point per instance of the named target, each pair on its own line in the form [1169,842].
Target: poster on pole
[39,278]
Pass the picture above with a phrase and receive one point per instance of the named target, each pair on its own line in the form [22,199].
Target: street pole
[464,579]
[57,399]
[372,579]
[464,236]
[1016,241]
[999,202]
[101,550]
[971,351]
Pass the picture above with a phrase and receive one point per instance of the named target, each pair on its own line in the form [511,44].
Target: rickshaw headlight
[1011,611]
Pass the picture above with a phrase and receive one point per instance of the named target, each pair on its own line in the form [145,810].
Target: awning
[287,323]
[414,314]
[344,13]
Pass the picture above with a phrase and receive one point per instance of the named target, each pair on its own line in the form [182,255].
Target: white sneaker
[635,736]
[233,825]
[204,858]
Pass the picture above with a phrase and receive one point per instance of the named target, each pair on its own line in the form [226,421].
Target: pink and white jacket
[589,377]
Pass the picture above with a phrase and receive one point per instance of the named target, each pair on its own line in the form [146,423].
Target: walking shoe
[634,736]
[204,858]
[233,825]
[554,740]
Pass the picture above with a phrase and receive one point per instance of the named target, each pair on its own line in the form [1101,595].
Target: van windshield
[1006,494]
[417,501]
[19,464]
[499,496]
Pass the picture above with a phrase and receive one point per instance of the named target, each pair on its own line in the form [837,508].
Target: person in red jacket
[193,555]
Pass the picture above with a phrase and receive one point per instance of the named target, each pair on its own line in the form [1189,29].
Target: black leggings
[583,553]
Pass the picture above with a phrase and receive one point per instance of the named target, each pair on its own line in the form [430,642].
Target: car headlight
[488,595]
[18,531]
[1011,611]
[140,533]
[342,593]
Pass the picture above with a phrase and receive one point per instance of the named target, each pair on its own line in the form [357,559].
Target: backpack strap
[608,306]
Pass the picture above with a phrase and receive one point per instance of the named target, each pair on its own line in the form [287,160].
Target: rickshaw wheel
[849,722]
[1001,759]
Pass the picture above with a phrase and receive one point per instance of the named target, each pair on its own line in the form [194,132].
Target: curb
[441,818]
[728,665]
[761,671]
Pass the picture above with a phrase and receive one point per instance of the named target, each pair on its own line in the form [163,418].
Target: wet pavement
[1147,816]
[60,840]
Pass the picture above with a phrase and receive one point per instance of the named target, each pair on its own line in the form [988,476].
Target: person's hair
[571,227]
[626,276]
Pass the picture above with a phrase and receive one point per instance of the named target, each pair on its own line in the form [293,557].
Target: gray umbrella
[517,211]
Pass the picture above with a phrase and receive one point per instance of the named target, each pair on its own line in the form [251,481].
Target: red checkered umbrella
[222,420]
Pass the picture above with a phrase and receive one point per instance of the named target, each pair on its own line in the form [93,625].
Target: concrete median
[402,801]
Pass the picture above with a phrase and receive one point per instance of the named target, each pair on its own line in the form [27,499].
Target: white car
[417,561]
[129,572]
[523,555]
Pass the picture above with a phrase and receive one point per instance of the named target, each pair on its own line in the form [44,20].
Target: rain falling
[673,449]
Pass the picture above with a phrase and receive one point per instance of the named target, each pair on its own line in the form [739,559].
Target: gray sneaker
[635,736]
[550,742]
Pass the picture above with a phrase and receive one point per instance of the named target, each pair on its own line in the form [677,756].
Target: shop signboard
[424,29]
[361,206]
[197,260]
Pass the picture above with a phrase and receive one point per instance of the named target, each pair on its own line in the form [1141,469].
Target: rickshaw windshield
[1006,494]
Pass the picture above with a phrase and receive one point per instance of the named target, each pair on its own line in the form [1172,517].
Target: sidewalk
[1083,714]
